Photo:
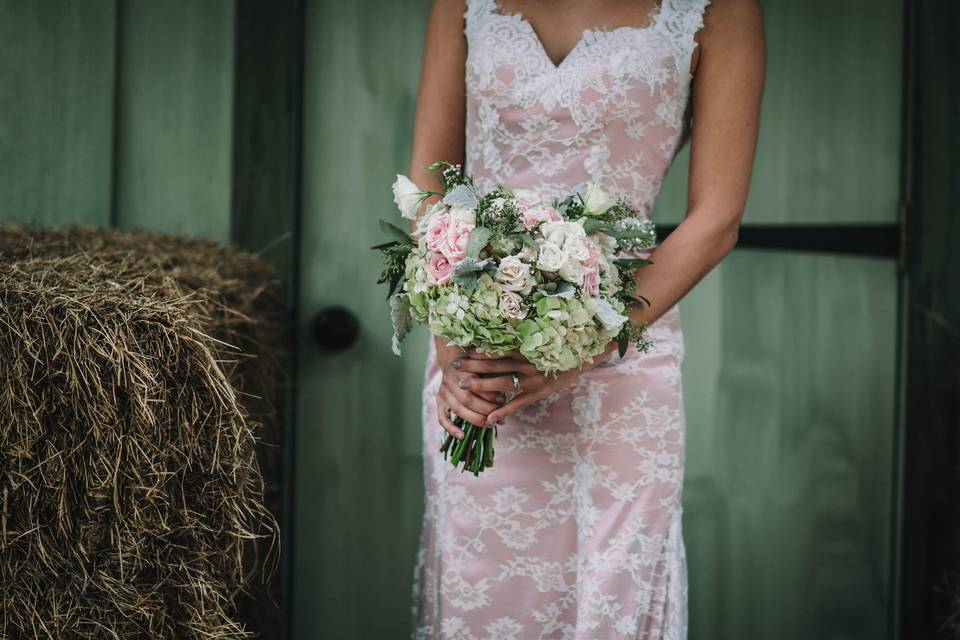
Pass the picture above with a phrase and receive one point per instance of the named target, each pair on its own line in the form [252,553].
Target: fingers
[493,384]
[522,400]
[495,397]
[465,412]
[443,415]
[479,365]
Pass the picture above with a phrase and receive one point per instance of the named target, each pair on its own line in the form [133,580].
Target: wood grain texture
[174,155]
[56,111]
[359,481]
[931,543]
[829,141]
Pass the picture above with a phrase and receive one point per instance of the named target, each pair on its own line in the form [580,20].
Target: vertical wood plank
[56,111]
[931,537]
[359,487]
[174,150]
[266,196]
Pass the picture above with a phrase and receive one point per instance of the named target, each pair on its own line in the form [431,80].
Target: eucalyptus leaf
[563,290]
[623,343]
[461,196]
[631,263]
[593,224]
[396,232]
[402,321]
[478,239]
[528,240]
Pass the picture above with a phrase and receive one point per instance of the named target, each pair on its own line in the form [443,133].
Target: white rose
[554,232]
[561,233]
[596,201]
[551,257]
[464,215]
[572,271]
[511,305]
[407,196]
[514,275]
[576,248]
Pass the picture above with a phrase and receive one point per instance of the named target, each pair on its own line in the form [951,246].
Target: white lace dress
[575,533]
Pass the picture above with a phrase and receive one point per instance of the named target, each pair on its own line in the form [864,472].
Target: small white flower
[407,196]
[514,275]
[596,201]
[551,257]
[511,305]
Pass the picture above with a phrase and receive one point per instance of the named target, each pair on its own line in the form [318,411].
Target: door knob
[335,329]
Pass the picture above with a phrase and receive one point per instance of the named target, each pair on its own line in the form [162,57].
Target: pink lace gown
[575,533]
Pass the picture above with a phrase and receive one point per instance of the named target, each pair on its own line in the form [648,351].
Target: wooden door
[789,378]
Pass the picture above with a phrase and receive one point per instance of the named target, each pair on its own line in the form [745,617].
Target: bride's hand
[455,394]
[531,383]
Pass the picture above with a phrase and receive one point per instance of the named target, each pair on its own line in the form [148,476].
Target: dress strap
[477,9]
[680,20]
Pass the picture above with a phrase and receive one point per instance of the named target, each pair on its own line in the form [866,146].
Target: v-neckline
[497,10]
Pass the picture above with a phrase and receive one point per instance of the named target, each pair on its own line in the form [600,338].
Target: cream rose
[596,201]
[407,196]
[551,257]
[511,305]
[514,275]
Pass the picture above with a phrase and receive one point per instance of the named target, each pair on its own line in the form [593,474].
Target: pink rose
[454,244]
[439,269]
[437,231]
[591,281]
[593,259]
[535,215]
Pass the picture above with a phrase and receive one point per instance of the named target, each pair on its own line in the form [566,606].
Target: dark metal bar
[876,240]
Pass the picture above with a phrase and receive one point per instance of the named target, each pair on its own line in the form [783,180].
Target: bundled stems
[475,450]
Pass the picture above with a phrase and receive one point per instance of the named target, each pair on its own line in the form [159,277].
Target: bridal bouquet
[505,271]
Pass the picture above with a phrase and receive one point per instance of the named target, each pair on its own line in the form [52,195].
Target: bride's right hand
[471,406]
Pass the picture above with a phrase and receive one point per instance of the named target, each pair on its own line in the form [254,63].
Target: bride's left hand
[534,384]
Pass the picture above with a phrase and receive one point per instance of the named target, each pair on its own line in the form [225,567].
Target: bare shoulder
[730,26]
[726,20]
[448,12]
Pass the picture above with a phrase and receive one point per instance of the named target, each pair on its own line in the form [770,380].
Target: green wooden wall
[125,112]
[117,113]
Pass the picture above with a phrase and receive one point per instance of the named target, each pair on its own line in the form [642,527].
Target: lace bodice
[613,111]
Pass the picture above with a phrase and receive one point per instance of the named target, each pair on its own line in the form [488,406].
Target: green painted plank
[56,111]
[829,144]
[174,159]
[358,487]
[788,388]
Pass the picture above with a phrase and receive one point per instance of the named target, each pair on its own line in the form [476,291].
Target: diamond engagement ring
[516,381]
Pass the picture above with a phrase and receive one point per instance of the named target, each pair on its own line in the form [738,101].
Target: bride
[576,532]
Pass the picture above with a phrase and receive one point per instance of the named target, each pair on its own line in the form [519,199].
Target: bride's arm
[440,119]
[726,90]
[438,134]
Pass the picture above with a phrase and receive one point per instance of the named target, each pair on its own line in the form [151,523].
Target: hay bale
[136,370]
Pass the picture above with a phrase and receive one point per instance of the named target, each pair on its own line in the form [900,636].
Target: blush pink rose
[593,257]
[535,215]
[439,269]
[437,231]
[591,281]
[454,244]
